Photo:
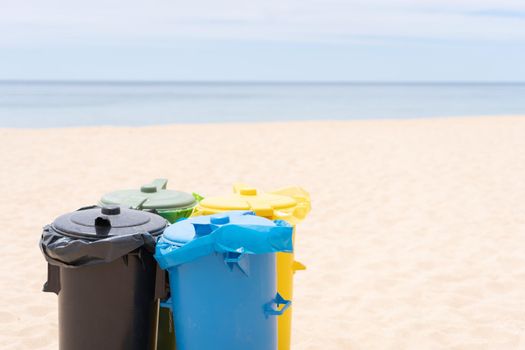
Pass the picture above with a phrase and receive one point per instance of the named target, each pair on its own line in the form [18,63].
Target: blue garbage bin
[222,280]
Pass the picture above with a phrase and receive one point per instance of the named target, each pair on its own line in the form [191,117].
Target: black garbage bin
[101,266]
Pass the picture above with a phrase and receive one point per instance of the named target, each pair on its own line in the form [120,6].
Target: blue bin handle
[166,303]
[237,259]
[269,310]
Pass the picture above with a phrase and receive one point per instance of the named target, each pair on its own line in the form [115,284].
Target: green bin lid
[151,196]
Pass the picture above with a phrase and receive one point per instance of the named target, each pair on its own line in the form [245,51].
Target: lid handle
[102,226]
[160,184]
[244,190]
[238,186]
[202,229]
[110,210]
[220,219]
[154,186]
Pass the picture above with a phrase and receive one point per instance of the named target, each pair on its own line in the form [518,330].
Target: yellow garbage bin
[291,204]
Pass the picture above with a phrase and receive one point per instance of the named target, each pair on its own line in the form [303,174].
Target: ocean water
[63,104]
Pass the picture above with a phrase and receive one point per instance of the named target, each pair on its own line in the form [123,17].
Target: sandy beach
[416,239]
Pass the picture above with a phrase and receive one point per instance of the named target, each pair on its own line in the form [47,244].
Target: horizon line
[255,82]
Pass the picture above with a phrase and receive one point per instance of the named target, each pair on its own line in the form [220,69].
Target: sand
[416,239]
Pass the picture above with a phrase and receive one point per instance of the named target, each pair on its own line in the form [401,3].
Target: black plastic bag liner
[73,252]
[95,235]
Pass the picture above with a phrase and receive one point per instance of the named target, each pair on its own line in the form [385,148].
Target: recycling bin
[222,279]
[291,204]
[173,206]
[101,266]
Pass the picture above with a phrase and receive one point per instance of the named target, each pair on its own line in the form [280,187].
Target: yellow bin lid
[291,203]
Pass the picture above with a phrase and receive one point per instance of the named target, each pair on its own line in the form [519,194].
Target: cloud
[56,22]
[499,13]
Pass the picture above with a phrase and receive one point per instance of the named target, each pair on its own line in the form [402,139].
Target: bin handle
[53,279]
[233,259]
[197,196]
[166,303]
[269,310]
[297,266]
[161,286]
[137,204]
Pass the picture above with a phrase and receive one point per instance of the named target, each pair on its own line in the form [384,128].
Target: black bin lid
[108,221]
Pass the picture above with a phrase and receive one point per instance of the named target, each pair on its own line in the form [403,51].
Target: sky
[269,40]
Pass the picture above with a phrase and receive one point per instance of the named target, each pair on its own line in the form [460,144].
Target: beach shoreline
[416,239]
